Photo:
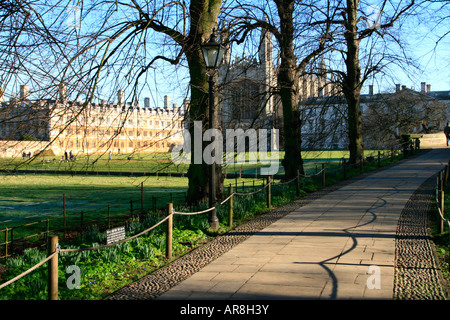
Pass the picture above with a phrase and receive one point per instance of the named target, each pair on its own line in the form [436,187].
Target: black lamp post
[212,53]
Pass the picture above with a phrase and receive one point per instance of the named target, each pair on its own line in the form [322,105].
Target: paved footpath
[341,246]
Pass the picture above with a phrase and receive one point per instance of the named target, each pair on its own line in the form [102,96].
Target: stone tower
[267,69]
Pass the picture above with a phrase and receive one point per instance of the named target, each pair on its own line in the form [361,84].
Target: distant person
[447,132]
[65,156]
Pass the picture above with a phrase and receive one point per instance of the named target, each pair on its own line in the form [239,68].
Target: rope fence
[35,233]
[28,271]
[81,220]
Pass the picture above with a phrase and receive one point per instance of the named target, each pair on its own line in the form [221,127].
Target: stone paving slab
[323,250]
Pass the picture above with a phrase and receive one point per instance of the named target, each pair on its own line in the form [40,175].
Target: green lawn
[148,163]
[27,197]
[41,195]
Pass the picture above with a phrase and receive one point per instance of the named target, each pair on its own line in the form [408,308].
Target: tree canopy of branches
[389,116]
[98,48]
[298,46]
[360,21]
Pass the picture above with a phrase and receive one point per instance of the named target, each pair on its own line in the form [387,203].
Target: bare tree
[360,21]
[291,25]
[110,46]
[391,115]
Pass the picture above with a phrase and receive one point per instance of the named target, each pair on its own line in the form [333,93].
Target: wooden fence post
[323,175]
[441,205]
[269,195]
[379,159]
[47,227]
[81,224]
[11,239]
[345,173]
[64,214]
[230,208]
[297,187]
[361,164]
[131,209]
[109,214]
[6,243]
[445,175]
[169,231]
[142,201]
[53,269]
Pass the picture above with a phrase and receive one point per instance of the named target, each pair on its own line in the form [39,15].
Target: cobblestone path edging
[417,274]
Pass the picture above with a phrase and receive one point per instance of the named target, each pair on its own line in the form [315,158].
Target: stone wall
[434,140]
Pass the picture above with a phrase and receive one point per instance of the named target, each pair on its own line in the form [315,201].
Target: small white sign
[114,235]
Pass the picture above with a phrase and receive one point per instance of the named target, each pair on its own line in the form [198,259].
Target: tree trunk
[204,16]
[198,111]
[287,83]
[352,84]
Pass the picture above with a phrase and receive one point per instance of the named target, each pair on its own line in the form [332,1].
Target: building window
[245,99]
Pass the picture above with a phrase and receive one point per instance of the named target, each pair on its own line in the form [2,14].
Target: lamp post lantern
[212,53]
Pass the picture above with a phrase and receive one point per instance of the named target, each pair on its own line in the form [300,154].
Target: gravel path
[417,274]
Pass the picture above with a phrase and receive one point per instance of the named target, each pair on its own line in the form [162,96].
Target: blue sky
[420,44]
[421,39]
